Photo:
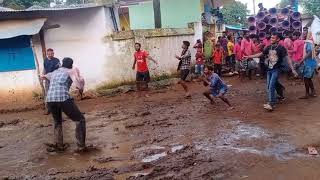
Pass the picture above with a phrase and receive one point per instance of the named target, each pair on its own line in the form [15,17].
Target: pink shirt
[77,79]
[266,42]
[288,44]
[297,52]
[247,47]
[281,42]
[237,51]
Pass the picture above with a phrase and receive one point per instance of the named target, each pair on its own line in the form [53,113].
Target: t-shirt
[288,44]
[216,84]
[230,47]
[266,42]
[298,47]
[51,65]
[276,54]
[238,52]
[141,58]
[218,56]
[208,49]
[247,47]
[199,58]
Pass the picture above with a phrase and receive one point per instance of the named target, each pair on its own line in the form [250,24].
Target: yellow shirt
[230,47]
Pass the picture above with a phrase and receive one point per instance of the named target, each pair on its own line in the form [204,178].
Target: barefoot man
[142,76]
[59,100]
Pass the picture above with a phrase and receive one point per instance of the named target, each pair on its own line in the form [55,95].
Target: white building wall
[85,36]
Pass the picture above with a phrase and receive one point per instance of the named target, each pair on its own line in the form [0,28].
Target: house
[76,32]
[140,13]
[88,34]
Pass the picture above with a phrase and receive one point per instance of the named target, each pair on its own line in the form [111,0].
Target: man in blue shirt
[217,89]
[50,64]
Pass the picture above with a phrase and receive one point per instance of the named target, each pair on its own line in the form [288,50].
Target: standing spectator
[198,45]
[199,62]
[238,55]
[230,54]
[218,56]
[309,67]
[297,51]
[266,42]
[50,64]
[287,43]
[247,48]
[208,48]
[142,75]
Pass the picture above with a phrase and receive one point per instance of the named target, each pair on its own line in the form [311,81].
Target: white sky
[267,4]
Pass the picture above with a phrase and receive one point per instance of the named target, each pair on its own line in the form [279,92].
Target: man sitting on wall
[50,64]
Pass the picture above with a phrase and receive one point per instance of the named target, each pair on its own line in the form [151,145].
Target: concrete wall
[174,14]
[87,37]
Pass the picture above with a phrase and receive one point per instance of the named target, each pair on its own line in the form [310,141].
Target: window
[16,54]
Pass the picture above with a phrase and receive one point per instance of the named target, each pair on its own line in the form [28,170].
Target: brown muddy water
[169,137]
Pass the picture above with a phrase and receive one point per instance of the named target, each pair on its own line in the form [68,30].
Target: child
[218,56]
[217,87]
[199,62]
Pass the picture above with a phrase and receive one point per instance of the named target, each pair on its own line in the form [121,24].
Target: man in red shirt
[142,76]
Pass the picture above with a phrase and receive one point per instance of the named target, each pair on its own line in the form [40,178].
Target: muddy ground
[169,137]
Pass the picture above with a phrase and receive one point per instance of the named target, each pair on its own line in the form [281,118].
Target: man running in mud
[59,100]
[142,75]
[277,55]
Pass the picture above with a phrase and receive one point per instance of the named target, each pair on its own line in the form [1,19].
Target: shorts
[221,91]
[143,76]
[184,74]
[199,68]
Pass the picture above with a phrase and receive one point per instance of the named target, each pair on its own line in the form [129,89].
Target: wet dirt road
[169,137]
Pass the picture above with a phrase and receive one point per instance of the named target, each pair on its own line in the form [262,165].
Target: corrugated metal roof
[5,9]
[45,12]
[57,8]
[14,28]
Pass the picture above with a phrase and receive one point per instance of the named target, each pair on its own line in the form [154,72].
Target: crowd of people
[294,54]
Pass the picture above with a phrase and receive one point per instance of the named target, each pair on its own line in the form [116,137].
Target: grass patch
[112,85]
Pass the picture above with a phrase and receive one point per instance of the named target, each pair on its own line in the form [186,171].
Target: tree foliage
[311,7]
[23,4]
[235,13]
[284,3]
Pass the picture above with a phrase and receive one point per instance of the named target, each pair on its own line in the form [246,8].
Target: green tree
[23,4]
[311,7]
[235,13]
[284,3]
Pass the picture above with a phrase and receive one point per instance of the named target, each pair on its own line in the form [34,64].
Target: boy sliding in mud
[217,89]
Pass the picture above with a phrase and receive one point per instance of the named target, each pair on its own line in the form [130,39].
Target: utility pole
[157,13]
